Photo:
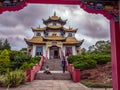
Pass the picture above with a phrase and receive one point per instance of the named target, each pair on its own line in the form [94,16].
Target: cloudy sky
[15,26]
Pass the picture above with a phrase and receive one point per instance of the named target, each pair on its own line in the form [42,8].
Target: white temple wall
[33,51]
[73,34]
[48,53]
[42,33]
[63,49]
[66,34]
[34,33]
[44,51]
[74,50]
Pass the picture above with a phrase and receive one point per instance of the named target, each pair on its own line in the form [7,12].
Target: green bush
[26,66]
[35,60]
[71,59]
[4,61]
[13,54]
[91,64]
[20,59]
[101,59]
[96,85]
[80,66]
[4,57]
[30,64]
[86,64]
[88,61]
[13,79]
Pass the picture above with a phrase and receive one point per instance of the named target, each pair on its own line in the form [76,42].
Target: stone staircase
[55,69]
[54,64]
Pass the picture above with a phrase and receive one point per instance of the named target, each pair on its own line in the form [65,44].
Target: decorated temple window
[62,34]
[69,34]
[46,34]
[39,51]
[54,24]
[38,34]
[68,51]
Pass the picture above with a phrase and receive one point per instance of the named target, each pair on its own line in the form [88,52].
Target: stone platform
[53,85]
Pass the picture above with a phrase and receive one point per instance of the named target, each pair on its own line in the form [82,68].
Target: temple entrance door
[54,52]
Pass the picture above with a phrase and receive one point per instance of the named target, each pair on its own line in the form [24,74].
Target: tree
[4,61]
[1,44]
[103,47]
[91,49]
[6,45]
[100,47]
[4,56]
[83,51]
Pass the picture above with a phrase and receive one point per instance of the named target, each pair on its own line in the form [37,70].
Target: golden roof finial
[54,13]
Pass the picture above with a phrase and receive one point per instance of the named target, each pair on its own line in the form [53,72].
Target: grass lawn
[96,85]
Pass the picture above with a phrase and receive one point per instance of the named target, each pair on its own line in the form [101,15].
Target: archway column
[117,44]
[115,52]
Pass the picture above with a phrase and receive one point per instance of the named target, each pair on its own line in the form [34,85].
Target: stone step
[54,64]
[55,75]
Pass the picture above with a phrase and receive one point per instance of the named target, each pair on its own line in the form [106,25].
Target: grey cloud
[26,16]
[16,25]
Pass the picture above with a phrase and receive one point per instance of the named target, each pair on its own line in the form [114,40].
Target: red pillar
[117,38]
[115,43]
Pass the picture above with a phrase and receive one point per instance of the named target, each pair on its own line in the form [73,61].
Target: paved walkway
[52,85]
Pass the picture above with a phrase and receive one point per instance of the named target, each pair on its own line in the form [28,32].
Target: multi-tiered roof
[55,28]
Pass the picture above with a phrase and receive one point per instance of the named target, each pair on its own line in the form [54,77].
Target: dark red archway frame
[114,30]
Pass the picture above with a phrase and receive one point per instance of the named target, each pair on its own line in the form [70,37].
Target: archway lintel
[68,2]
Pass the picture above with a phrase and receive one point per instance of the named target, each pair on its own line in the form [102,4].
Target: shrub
[13,54]
[89,60]
[80,66]
[91,64]
[13,79]
[35,59]
[87,64]
[26,66]
[20,59]
[101,59]
[4,61]
[73,58]
[70,59]
[4,57]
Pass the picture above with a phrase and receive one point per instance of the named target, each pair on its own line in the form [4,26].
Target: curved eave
[35,40]
[80,43]
[54,27]
[49,20]
[27,42]
[54,39]
[31,43]
[38,29]
[70,30]
[70,43]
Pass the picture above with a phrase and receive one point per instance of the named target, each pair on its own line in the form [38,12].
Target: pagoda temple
[53,39]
